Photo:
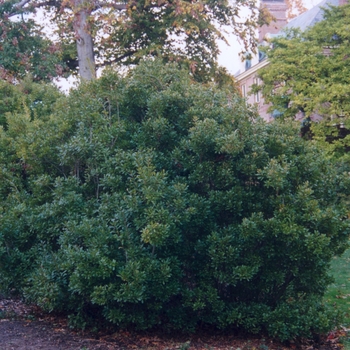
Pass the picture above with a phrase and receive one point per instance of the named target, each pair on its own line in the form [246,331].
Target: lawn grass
[338,293]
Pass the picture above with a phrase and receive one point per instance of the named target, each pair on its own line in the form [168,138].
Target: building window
[262,55]
[257,94]
[244,91]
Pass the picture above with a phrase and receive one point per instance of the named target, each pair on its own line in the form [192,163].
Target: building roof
[312,16]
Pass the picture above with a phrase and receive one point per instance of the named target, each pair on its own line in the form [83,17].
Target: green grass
[338,293]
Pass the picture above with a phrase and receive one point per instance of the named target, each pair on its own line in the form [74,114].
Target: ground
[27,327]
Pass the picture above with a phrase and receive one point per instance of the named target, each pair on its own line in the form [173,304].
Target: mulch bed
[28,327]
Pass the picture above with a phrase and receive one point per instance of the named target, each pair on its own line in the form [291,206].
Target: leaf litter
[27,327]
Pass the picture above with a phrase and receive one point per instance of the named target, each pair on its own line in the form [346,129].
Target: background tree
[126,31]
[295,8]
[24,49]
[309,75]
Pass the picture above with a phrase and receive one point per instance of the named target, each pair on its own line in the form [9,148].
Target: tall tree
[24,49]
[111,31]
[295,8]
[310,71]
[309,76]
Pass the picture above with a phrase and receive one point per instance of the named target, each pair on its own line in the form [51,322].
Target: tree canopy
[106,32]
[25,49]
[310,71]
[309,76]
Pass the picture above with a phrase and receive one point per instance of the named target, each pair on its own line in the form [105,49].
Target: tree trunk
[85,44]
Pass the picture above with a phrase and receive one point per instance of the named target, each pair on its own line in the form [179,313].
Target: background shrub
[151,200]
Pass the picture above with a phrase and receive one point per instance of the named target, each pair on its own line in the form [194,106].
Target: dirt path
[26,327]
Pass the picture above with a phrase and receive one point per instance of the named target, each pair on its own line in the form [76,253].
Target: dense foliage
[150,200]
[309,75]
[35,100]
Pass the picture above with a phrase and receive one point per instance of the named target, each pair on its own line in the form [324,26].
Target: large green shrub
[151,200]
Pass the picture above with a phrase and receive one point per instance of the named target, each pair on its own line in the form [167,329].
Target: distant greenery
[153,201]
[309,74]
[308,71]
[25,49]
